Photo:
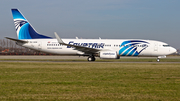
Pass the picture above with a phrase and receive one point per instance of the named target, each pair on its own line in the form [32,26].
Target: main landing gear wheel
[91,58]
[158,59]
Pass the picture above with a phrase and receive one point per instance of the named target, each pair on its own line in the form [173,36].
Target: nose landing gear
[158,59]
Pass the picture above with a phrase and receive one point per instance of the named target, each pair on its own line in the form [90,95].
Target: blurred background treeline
[8,47]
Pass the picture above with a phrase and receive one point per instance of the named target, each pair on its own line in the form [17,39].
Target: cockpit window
[166,45]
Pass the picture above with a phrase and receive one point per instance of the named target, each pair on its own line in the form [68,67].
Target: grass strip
[89,81]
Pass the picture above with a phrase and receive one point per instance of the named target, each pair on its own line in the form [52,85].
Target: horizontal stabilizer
[22,41]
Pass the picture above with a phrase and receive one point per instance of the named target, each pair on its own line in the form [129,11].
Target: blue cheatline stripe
[136,54]
[122,50]
[132,52]
[127,51]
[126,42]
[138,41]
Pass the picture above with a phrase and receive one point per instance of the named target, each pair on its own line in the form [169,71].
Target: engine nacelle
[109,55]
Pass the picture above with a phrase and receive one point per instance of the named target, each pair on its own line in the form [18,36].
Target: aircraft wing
[22,41]
[79,48]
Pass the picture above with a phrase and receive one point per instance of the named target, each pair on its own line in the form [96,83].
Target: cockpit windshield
[166,45]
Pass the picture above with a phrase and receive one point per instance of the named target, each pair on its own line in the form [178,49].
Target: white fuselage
[123,47]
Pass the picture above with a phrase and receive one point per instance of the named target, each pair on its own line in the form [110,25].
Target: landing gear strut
[91,58]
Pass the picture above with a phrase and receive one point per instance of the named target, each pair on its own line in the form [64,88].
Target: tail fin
[23,27]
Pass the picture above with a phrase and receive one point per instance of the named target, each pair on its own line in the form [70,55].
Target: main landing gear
[91,58]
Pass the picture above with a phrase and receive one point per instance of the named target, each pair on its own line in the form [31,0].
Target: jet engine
[109,55]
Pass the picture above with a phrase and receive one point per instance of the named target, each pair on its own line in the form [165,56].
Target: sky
[108,19]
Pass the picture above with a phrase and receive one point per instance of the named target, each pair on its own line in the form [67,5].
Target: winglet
[58,38]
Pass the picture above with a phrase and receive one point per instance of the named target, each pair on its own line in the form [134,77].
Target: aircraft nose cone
[173,50]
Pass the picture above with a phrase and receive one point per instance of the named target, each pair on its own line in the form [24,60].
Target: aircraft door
[155,47]
[39,45]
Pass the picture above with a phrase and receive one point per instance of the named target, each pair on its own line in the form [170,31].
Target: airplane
[28,37]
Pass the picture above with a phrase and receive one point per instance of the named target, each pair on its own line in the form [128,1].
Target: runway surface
[88,62]
[56,59]
[62,57]
[39,57]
